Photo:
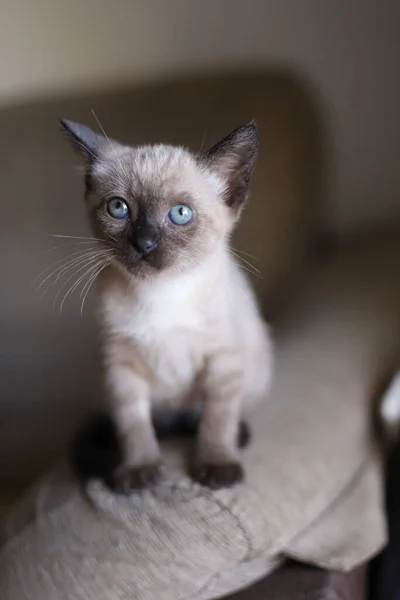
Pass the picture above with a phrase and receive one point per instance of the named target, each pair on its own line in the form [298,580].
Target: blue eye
[180,214]
[117,208]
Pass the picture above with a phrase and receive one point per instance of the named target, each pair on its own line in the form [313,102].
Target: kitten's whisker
[246,262]
[71,245]
[246,254]
[62,260]
[109,142]
[88,256]
[91,281]
[80,268]
[248,270]
[252,267]
[77,282]
[236,253]
[76,267]
[203,141]
[74,237]
[65,267]
[84,287]
[105,258]
[85,148]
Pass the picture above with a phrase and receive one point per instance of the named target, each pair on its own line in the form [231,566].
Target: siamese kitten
[179,322]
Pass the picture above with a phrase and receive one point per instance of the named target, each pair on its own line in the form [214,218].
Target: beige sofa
[313,489]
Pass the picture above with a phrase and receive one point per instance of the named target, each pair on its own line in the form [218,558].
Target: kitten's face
[161,208]
[156,208]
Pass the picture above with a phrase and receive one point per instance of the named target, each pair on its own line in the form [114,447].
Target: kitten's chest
[171,336]
[173,344]
[162,320]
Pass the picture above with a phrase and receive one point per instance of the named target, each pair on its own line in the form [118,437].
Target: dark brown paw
[128,479]
[219,475]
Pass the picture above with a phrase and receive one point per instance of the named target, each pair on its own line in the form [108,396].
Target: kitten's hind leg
[244,435]
[185,424]
[182,423]
[95,451]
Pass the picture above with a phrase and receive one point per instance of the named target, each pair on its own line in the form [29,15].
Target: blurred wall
[349,49]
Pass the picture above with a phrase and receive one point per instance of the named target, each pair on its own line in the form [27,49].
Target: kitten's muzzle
[145,239]
[144,245]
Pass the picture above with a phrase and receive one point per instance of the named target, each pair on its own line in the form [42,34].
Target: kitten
[179,322]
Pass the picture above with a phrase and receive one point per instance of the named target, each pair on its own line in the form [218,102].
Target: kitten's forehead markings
[156,170]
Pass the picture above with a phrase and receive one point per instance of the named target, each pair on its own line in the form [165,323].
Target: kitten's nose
[144,243]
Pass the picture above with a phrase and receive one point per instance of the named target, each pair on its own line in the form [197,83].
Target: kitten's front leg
[130,397]
[217,462]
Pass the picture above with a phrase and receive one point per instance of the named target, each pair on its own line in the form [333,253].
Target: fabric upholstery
[313,489]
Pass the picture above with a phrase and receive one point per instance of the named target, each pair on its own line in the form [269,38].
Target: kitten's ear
[86,141]
[233,159]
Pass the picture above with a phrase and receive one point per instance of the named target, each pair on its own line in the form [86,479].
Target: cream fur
[181,339]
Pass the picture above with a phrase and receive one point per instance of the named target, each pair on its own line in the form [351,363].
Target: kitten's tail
[95,452]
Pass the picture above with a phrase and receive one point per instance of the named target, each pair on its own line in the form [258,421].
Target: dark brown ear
[233,159]
[86,141]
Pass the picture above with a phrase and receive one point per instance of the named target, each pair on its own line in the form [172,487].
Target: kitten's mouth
[140,265]
[146,260]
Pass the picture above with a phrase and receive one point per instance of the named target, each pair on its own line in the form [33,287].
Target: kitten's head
[162,207]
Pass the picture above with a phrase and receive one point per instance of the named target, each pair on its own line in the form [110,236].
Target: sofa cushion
[313,489]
